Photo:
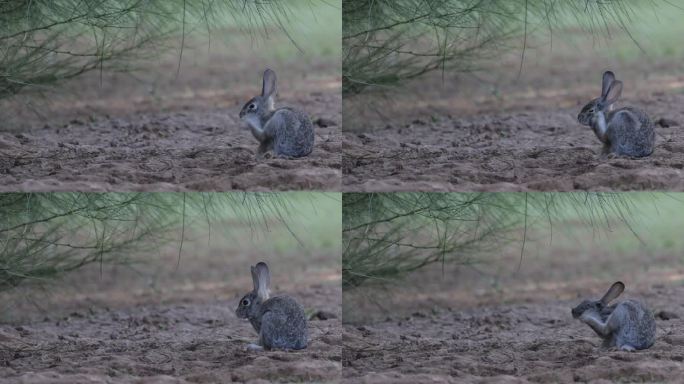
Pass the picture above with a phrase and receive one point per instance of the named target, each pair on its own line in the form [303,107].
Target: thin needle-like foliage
[45,41]
[43,235]
[386,42]
[387,235]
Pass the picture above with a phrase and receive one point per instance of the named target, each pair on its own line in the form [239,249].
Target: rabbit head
[597,306]
[262,105]
[611,90]
[250,303]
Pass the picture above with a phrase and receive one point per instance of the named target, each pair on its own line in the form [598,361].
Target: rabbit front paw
[586,317]
[609,156]
[254,347]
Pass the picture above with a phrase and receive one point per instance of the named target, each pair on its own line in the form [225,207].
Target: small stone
[666,123]
[323,122]
[667,315]
[322,315]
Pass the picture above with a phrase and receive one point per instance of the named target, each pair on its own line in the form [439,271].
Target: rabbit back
[633,325]
[292,132]
[630,132]
[282,324]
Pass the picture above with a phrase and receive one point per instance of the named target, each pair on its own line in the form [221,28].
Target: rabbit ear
[614,92]
[263,280]
[269,87]
[608,78]
[615,290]
[255,278]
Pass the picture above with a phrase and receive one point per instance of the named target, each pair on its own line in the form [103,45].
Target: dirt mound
[527,343]
[529,150]
[181,343]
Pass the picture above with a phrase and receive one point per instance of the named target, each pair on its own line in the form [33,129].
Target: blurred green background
[654,227]
[653,28]
[314,30]
[311,223]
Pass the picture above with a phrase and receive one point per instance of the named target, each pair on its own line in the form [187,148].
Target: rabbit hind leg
[273,334]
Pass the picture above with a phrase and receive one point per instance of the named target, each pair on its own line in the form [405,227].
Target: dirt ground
[155,324]
[151,131]
[491,323]
[496,132]
[183,343]
[529,343]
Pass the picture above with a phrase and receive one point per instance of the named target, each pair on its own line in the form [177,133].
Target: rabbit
[280,321]
[627,325]
[626,131]
[286,131]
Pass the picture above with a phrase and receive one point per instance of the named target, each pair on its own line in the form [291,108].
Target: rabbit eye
[245,302]
[252,107]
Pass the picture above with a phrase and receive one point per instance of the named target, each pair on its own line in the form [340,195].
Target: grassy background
[657,221]
[311,223]
[313,30]
[655,26]
[315,27]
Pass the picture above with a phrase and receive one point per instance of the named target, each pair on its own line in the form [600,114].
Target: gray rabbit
[626,131]
[286,131]
[627,325]
[280,321]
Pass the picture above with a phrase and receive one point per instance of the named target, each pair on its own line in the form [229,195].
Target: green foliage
[43,235]
[314,30]
[386,42]
[44,41]
[388,235]
[655,25]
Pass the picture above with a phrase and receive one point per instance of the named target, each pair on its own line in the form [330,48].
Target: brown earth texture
[536,342]
[182,343]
